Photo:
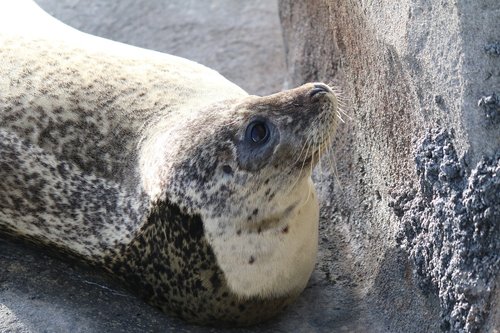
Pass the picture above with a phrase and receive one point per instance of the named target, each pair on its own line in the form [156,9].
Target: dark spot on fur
[285,230]
[255,211]
[238,232]
[251,260]
[289,209]
[215,280]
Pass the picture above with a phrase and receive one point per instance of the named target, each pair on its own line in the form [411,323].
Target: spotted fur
[137,162]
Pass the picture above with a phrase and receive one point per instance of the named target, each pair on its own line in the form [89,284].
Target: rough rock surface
[418,162]
[451,230]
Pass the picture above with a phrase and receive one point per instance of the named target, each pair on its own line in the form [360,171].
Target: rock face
[419,162]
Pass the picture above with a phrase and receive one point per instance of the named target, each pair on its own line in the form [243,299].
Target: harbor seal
[195,194]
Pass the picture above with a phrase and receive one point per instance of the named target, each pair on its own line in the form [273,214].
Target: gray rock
[451,231]
[417,163]
[491,106]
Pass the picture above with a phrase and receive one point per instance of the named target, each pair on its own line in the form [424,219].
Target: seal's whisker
[339,117]
[300,153]
[342,112]
[333,164]
[340,101]
[315,144]
[306,156]
[330,152]
[307,143]
[309,191]
[320,155]
[302,150]
[311,166]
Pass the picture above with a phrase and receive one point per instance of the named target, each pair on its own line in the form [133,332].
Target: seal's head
[244,166]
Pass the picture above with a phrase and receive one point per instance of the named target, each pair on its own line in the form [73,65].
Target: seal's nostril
[319,88]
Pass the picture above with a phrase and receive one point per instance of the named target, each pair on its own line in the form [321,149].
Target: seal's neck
[272,261]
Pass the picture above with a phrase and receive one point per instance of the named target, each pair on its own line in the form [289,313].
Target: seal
[195,194]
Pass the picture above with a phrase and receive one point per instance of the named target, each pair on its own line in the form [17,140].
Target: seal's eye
[258,132]
[257,144]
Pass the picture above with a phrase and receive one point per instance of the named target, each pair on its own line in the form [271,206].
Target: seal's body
[160,171]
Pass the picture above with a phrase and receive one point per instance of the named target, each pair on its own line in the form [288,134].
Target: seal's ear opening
[256,144]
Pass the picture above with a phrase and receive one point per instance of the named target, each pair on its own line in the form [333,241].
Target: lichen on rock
[450,227]
[491,106]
